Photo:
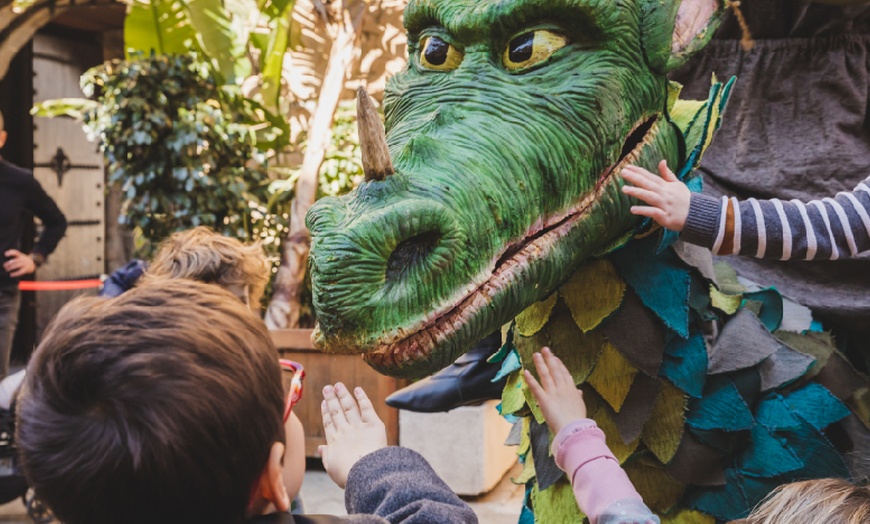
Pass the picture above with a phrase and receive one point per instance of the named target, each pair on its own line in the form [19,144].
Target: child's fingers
[554,363]
[652,212]
[348,404]
[640,178]
[650,197]
[666,173]
[367,410]
[322,450]
[328,425]
[645,174]
[543,372]
[536,389]
[335,412]
[557,369]
[566,379]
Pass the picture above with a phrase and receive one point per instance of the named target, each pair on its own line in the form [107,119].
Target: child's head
[203,255]
[162,405]
[832,501]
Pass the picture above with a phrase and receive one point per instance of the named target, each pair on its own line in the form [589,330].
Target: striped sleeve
[825,229]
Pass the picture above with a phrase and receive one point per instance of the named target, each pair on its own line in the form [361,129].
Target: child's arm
[352,429]
[602,489]
[829,228]
[390,482]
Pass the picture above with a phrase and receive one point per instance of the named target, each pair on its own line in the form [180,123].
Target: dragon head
[507,133]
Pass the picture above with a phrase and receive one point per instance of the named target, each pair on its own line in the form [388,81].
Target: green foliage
[273,48]
[342,167]
[226,37]
[225,33]
[181,148]
[341,170]
[74,108]
[173,26]
[159,27]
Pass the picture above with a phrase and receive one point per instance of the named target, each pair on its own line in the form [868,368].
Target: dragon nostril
[411,252]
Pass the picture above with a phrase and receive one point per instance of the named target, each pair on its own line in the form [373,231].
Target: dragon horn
[372,138]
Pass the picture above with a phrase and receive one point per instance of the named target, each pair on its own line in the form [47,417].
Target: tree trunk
[283,310]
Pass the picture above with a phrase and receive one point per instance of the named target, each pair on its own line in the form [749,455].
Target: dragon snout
[382,257]
[414,251]
[420,239]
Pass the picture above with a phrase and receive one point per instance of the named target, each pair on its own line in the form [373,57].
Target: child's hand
[559,399]
[668,198]
[352,431]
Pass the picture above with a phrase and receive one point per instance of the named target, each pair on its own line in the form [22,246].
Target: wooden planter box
[322,369]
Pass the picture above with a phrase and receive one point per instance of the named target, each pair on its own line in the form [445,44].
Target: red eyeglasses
[295,393]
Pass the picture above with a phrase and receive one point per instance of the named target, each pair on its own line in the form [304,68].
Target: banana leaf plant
[184,133]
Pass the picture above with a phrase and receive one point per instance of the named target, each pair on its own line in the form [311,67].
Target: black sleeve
[399,485]
[52,219]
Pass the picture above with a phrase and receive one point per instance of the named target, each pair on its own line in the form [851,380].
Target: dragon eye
[532,48]
[439,55]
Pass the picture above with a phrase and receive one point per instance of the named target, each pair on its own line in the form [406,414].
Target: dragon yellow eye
[439,55]
[532,48]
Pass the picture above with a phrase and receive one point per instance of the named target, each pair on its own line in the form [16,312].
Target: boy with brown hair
[204,255]
[165,405]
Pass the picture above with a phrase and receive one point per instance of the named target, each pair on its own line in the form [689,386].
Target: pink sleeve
[596,477]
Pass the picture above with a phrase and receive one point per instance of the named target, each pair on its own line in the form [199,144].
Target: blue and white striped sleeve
[826,229]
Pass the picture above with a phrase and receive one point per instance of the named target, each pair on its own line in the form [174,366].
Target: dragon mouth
[540,239]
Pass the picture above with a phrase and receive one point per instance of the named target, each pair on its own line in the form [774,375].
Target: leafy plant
[188,132]
[238,38]
[180,139]
[342,168]
[181,148]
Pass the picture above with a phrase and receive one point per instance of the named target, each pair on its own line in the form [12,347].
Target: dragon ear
[674,30]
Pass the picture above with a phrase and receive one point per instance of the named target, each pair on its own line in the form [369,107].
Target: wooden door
[70,169]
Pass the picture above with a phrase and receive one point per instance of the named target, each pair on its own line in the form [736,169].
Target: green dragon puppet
[495,198]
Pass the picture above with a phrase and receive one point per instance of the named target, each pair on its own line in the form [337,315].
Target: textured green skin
[481,154]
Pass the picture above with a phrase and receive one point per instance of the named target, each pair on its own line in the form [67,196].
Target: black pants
[10,301]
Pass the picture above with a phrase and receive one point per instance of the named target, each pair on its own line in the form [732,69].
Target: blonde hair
[832,501]
[203,255]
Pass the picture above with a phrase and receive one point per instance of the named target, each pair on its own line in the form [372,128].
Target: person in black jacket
[20,196]
[165,405]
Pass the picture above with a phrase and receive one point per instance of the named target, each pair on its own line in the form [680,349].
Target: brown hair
[203,255]
[160,405]
[832,501]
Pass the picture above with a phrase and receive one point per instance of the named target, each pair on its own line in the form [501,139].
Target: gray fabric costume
[798,126]
[391,485]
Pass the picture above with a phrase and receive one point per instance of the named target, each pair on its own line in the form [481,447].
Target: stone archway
[19,24]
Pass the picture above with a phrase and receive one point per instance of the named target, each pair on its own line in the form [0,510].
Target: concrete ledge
[465,446]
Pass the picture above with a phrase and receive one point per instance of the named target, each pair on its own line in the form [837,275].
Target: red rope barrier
[58,285]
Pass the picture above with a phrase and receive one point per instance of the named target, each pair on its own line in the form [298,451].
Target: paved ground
[320,495]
